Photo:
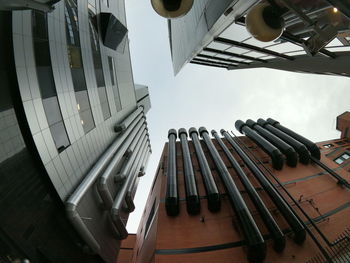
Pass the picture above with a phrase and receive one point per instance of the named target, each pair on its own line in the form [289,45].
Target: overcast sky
[216,98]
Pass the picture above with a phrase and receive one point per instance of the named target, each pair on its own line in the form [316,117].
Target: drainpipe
[286,149]
[288,214]
[303,152]
[213,195]
[272,151]
[256,246]
[275,231]
[172,197]
[192,198]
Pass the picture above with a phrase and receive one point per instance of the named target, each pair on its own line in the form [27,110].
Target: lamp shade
[263,23]
[172,8]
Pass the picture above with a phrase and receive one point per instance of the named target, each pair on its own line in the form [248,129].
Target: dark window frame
[151,217]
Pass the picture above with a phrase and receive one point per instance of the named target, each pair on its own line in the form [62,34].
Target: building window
[96,56]
[76,66]
[342,158]
[114,86]
[111,70]
[46,81]
[327,146]
[340,143]
[150,218]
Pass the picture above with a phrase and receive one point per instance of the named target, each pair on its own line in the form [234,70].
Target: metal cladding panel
[142,97]
[99,223]
[214,11]
[73,163]
[206,19]
[186,33]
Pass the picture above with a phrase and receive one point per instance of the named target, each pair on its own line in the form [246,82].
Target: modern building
[73,132]
[314,36]
[269,196]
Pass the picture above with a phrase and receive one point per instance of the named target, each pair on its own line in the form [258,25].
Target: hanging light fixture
[172,8]
[264,22]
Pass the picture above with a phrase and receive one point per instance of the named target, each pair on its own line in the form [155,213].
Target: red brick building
[269,196]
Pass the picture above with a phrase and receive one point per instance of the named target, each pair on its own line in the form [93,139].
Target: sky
[216,98]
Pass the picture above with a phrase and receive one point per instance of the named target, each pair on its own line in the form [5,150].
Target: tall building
[73,131]
[269,196]
[312,36]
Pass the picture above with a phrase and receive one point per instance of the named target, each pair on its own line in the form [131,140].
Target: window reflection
[115,87]
[84,110]
[96,56]
[46,81]
[76,66]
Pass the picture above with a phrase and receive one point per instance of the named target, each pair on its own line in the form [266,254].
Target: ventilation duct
[192,198]
[74,200]
[130,206]
[312,147]
[286,149]
[272,151]
[303,152]
[213,195]
[110,170]
[126,122]
[172,197]
[275,231]
[256,246]
[288,214]
[117,207]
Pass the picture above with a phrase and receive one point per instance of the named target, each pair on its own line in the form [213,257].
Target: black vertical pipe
[275,231]
[288,214]
[312,147]
[303,152]
[192,198]
[296,203]
[272,151]
[256,246]
[213,195]
[286,149]
[171,197]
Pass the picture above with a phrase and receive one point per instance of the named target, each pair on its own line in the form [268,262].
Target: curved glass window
[46,81]
[96,56]
[76,66]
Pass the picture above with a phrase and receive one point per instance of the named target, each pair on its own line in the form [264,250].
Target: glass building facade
[58,111]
